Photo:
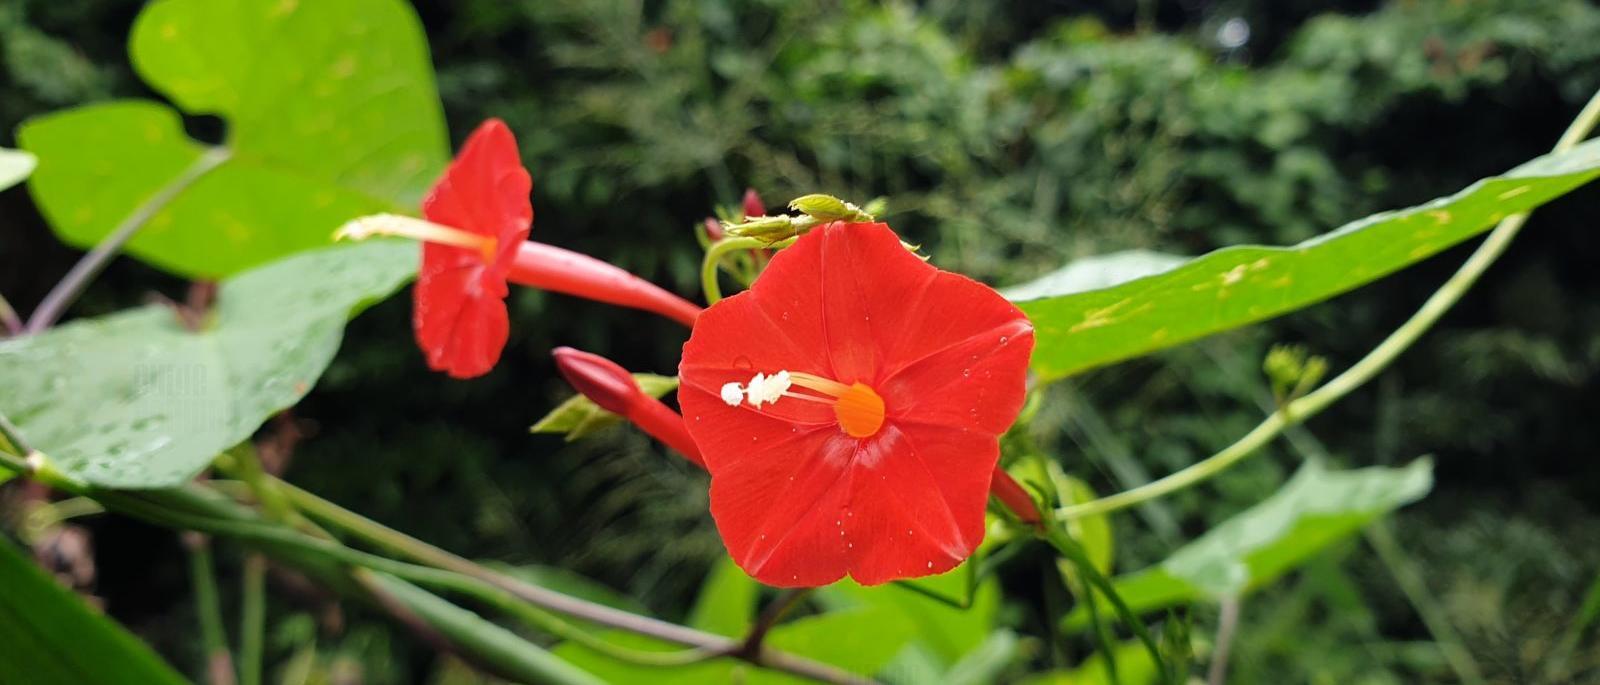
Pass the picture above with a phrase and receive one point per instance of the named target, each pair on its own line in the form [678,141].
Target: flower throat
[858,408]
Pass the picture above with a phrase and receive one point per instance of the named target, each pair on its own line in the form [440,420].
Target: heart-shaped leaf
[331,113]
[1244,284]
[137,400]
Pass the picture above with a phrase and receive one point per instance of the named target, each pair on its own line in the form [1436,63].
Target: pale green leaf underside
[1315,509]
[134,400]
[331,112]
[1240,285]
[15,165]
[578,417]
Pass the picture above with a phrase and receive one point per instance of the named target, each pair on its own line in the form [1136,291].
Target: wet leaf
[137,400]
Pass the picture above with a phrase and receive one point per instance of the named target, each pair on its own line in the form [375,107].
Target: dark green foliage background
[1009,137]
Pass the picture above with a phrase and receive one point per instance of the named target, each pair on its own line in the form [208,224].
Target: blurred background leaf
[53,637]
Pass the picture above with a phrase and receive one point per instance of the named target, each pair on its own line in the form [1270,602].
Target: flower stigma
[857,406]
[416,229]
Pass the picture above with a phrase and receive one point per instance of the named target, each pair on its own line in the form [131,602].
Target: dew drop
[966,373]
[930,564]
[742,363]
[1004,340]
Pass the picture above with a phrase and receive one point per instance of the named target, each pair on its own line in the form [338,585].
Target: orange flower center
[417,229]
[860,411]
[857,406]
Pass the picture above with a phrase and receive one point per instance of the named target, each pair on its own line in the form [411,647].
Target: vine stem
[202,572]
[252,618]
[705,645]
[1358,374]
[720,249]
[72,285]
[9,318]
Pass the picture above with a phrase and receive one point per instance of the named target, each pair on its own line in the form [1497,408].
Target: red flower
[848,407]
[459,311]
[475,240]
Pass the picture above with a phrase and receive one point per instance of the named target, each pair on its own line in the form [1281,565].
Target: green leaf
[52,637]
[949,632]
[727,602]
[986,662]
[331,112]
[1240,285]
[859,640]
[136,400]
[1315,509]
[1094,273]
[579,417]
[1134,667]
[15,166]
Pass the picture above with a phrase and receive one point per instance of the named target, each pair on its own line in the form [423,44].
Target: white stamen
[767,390]
[755,390]
[732,394]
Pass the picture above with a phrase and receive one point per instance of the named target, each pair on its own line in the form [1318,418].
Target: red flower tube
[849,407]
[613,389]
[475,240]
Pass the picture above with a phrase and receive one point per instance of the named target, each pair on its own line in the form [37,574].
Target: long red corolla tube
[564,271]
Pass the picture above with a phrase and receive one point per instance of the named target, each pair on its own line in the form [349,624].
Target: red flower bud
[613,389]
[752,204]
[713,229]
[599,379]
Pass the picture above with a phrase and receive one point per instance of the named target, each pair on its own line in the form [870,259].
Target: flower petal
[460,314]
[799,502]
[460,322]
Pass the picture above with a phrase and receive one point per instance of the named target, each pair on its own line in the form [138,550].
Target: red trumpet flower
[849,405]
[475,240]
[613,389]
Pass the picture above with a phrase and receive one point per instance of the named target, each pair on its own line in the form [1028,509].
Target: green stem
[1095,580]
[1416,589]
[213,637]
[720,249]
[503,591]
[72,285]
[1358,374]
[713,262]
[252,618]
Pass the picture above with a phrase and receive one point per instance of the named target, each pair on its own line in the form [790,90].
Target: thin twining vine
[1359,373]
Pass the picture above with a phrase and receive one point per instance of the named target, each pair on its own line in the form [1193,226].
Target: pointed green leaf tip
[578,417]
[331,112]
[15,166]
[1169,304]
